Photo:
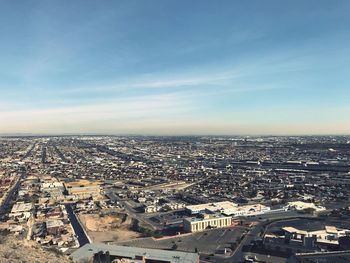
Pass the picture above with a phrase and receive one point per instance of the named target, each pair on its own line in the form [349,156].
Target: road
[4,208]
[78,229]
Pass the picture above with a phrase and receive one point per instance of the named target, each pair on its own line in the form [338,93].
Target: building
[211,207]
[228,208]
[21,210]
[299,205]
[195,224]
[330,234]
[324,257]
[247,210]
[54,227]
[108,253]
[54,184]
[83,189]
[150,208]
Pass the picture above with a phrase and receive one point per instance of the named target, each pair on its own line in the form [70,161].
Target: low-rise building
[21,210]
[108,253]
[83,189]
[211,207]
[195,224]
[150,208]
[330,234]
[54,227]
[247,210]
[300,205]
[228,208]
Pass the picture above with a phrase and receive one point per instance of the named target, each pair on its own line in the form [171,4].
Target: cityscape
[174,131]
[202,199]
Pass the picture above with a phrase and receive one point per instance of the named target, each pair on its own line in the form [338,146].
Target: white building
[195,224]
[228,208]
[247,210]
[21,210]
[52,185]
[299,205]
[330,234]
[211,207]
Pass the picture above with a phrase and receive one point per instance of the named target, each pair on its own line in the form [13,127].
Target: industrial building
[108,253]
[83,189]
[211,207]
[247,210]
[228,208]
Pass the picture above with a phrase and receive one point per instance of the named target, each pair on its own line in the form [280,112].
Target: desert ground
[108,228]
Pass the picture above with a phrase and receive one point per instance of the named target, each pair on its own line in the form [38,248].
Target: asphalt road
[78,229]
[4,208]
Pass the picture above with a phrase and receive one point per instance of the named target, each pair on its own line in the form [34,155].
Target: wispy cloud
[159,82]
[224,76]
[118,111]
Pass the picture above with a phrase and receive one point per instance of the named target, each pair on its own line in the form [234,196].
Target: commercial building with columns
[195,224]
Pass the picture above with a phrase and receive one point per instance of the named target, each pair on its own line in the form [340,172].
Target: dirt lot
[108,228]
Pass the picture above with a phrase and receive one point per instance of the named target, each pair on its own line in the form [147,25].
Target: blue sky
[175,67]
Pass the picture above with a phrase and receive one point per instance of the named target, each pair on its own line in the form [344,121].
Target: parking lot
[206,242]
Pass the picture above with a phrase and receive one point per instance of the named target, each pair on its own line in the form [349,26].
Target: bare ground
[23,251]
[108,228]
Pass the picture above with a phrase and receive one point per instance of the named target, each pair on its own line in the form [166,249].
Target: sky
[175,67]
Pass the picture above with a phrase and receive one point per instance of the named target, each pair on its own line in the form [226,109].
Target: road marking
[223,233]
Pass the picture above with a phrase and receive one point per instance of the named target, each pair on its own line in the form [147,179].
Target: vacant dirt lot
[108,228]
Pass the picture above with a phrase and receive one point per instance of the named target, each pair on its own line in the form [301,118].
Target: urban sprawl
[179,199]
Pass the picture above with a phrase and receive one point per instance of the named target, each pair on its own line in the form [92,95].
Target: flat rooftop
[21,207]
[208,217]
[82,183]
[225,205]
[88,250]
[325,257]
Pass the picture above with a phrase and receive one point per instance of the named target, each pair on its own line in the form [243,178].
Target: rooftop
[225,205]
[87,251]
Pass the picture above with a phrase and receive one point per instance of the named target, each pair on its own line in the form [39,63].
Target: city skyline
[174,67]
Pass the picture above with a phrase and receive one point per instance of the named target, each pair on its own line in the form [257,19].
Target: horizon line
[167,135]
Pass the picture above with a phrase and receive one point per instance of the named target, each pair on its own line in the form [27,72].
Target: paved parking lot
[205,242]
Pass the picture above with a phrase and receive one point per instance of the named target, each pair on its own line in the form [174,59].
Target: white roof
[21,207]
[213,207]
[54,223]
